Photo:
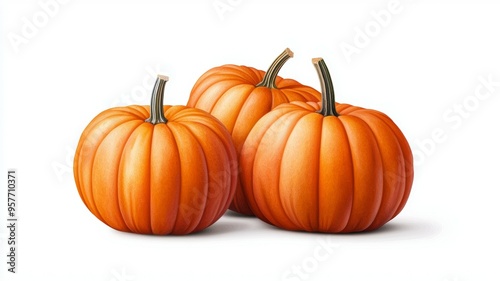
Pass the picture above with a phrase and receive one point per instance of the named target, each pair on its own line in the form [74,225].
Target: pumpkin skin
[333,169]
[156,176]
[240,95]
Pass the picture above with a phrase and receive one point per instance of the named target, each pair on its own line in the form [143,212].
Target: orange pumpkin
[332,168]
[156,170]
[239,96]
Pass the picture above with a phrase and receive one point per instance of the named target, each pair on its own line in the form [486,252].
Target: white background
[420,66]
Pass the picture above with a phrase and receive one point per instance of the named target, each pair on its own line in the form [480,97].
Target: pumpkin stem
[269,80]
[327,93]
[157,115]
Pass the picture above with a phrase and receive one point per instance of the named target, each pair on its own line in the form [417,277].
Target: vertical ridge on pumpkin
[232,170]
[352,177]
[368,181]
[176,211]
[270,149]
[252,109]
[208,209]
[407,158]
[165,180]
[334,188]
[188,216]
[408,161]
[391,154]
[134,179]
[247,158]
[318,171]
[88,141]
[231,167]
[82,165]
[290,220]
[227,108]
[299,171]
[151,167]
[106,161]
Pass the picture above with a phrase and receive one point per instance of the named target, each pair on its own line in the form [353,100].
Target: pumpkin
[156,169]
[240,95]
[327,167]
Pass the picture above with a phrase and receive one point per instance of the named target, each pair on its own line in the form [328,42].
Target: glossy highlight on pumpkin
[240,95]
[327,167]
[156,169]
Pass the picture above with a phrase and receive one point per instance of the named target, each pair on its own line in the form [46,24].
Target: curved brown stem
[269,79]
[157,115]
[327,92]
